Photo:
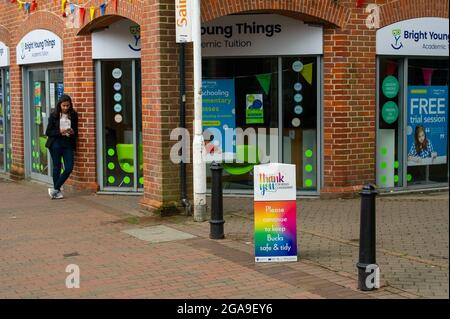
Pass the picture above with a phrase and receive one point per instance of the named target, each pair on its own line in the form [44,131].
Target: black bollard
[216,221]
[367,268]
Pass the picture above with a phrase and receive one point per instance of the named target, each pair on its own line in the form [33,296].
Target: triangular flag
[391,67]
[264,80]
[72,8]
[307,72]
[92,12]
[114,5]
[27,7]
[20,5]
[82,13]
[102,9]
[427,75]
[63,5]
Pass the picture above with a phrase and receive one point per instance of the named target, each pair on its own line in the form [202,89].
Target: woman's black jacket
[53,132]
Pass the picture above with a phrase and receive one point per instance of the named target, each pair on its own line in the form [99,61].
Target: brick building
[340,93]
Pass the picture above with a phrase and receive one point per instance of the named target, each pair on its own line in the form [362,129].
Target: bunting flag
[307,72]
[63,6]
[26,6]
[391,67]
[114,2]
[427,75]
[92,12]
[102,9]
[264,80]
[82,13]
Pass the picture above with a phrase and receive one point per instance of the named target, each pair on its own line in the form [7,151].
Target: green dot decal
[409,177]
[111,179]
[126,180]
[111,152]
[141,180]
[396,164]
[34,165]
[308,182]
[33,143]
[126,166]
[383,179]
[308,153]
[396,178]
[111,166]
[383,151]
[42,167]
[308,168]
[383,165]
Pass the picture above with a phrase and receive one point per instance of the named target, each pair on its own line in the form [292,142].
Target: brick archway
[327,11]
[5,36]
[409,9]
[42,20]
[125,9]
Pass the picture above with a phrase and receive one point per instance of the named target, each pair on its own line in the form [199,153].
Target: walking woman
[62,132]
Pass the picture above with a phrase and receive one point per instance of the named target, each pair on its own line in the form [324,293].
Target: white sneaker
[59,195]
[52,192]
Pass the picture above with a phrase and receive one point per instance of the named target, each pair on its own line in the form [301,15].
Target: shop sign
[260,35]
[4,55]
[427,129]
[121,40]
[39,46]
[183,20]
[422,36]
[218,102]
[275,212]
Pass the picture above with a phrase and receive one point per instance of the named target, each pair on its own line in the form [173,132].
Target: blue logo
[397,33]
[136,32]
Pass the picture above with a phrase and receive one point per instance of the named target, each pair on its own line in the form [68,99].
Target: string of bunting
[71,10]
[26,6]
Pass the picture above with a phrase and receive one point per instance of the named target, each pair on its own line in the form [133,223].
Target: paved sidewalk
[40,237]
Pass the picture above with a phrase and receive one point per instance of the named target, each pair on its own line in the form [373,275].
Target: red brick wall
[349,82]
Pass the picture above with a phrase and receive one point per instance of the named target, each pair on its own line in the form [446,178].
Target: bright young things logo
[397,33]
[270,183]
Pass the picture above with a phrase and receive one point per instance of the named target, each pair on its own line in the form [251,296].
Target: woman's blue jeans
[57,153]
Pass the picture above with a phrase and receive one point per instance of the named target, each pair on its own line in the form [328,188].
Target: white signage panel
[274,182]
[39,46]
[415,37]
[4,55]
[260,34]
[122,40]
[183,20]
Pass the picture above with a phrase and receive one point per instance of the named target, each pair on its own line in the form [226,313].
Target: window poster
[254,113]
[218,96]
[427,125]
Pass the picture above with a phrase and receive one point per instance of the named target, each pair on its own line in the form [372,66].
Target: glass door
[120,143]
[45,86]
[5,121]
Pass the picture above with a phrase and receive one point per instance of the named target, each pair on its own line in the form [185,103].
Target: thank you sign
[275,213]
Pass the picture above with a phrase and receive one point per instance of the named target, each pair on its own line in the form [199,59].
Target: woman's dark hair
[420,146]
[62,99]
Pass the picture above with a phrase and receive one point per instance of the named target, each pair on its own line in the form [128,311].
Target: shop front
[262,76]
[116,51]
[5,110]
[40,53]
[412,104]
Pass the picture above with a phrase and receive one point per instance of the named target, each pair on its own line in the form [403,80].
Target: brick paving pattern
[40,237]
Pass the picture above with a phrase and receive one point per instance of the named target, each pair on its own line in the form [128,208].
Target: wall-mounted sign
[4,55]
[121,40]
[183,20]
[275,213]
[422,36]
[39,46]
[261,34]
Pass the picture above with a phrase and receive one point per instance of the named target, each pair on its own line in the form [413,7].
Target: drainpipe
[183,185]
[199,166]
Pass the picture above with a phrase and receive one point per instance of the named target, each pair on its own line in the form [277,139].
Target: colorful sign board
[275,213]
[427,130]
[183,20]
[39,46]
[218,102]
[422,36]
[254,113]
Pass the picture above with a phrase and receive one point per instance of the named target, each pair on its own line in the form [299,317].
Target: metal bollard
[368,271]
[216,221]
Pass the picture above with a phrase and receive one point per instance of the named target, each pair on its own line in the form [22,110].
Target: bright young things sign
[39,46]
[275,213]
[427,131]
